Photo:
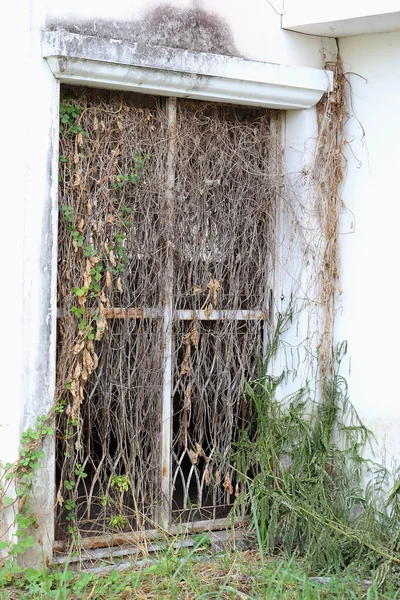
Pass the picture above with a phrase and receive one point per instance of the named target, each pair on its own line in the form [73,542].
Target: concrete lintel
[98,62]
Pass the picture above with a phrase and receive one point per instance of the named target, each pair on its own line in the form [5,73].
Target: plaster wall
[27,304]
[370,235]
[253,32]
[341,18]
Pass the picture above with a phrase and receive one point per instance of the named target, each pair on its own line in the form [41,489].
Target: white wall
[341,9]
[12,209]
[256,27]
[370,234]
[29,105]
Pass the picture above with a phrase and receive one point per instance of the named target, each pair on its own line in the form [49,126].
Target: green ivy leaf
[23,521]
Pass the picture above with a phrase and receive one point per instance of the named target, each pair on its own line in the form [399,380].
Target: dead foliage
[132,250]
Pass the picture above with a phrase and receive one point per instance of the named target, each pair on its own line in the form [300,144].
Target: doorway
[166,260]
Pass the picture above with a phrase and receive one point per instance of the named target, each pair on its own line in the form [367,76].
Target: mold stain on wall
[192,29]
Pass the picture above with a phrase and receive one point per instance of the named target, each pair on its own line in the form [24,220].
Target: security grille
[166,256]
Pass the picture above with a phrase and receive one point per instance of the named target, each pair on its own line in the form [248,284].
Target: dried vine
[327,172]
[117,275]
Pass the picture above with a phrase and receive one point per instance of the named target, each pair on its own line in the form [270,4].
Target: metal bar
[216,315]
[166,434]
[133,313]
[118,312]
[187,315]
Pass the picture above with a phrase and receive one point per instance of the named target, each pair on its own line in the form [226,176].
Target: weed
[177,574]
[303,471]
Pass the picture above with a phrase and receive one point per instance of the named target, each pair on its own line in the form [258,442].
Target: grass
[195,576]
[301,471]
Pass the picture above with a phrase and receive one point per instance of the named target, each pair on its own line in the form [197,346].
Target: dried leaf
[112,258]
[89,207]
[77,179]
[228,484]
[194,335]
[76,158]
[78,347]
[103,127]
[75,389]
[200,450]
[87,279]
[208,311]
[88,266]
[60,499]
[237,491]
[193,457]
[95,123]
[88,362]
[217,477]
[110,219]
[196,289]
[214,287]
[77,370]
[82,299]
[119,125]
[207,477]
[101,327]
[108,279]
[79,138]
[119,286]
[185,369]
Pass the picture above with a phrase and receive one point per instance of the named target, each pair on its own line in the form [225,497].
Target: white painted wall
[256,28]
[27,304]
[370,235]
[12,209]
[341,9]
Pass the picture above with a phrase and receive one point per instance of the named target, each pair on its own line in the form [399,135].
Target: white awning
[115,64]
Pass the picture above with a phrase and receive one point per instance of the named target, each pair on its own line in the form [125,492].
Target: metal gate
[166,255]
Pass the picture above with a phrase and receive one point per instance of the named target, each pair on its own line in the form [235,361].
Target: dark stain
[168,26]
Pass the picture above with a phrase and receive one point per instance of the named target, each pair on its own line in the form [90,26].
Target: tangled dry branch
[129,252]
